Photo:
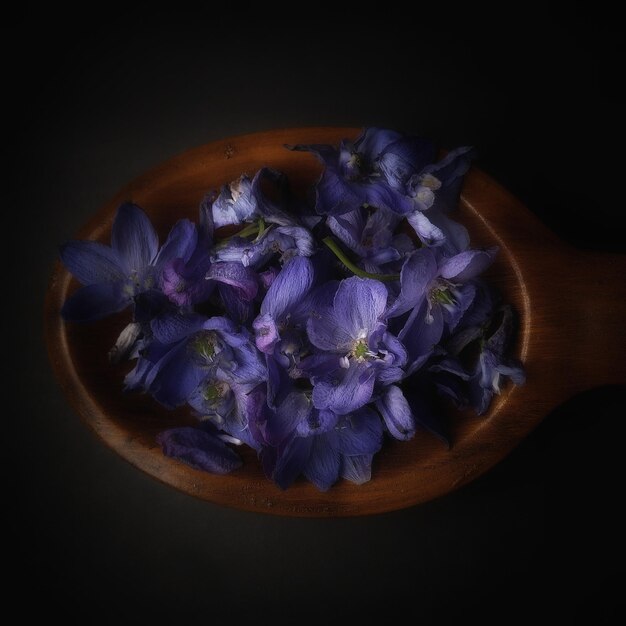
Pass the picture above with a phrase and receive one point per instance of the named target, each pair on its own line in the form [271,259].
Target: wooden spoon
[571,304]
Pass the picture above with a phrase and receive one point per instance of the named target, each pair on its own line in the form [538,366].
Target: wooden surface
[572,307]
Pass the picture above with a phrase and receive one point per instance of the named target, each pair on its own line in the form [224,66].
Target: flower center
[430,181]
[361,350]
[206,345]
[442,295]
[214,392]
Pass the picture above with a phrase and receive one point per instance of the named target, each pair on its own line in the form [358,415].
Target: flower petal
[174,326]
[326,333]
[322,467]
[425,229]
[177,377]
[91,262]
[360,432]
[244,279]
[266,332]
[317,422]
[336,196]
[372,141]
[291,460]
[180,244]
[134,237]
[468,264]
[288,288]
[238,309]
[416,274]
[359,304]
[199,450]
[420,337]
[404,157]
[396,412]
[94,302]
[346,390]
[357,469]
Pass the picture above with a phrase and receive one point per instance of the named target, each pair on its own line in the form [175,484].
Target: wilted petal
[235,203]
[397,413]
[91,262]
[125,343]
[198,449]
[94,302]
[134,237]
[357,469]
[425,229]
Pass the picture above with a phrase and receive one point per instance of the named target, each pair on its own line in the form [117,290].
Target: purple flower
[492,364]
[370,233]
[318,443]
[280,326]
[435,292]
[243,200]
[213,350]
[113,276]
[351,177]
[359,351]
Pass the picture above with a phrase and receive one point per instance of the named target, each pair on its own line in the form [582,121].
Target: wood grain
[571,304]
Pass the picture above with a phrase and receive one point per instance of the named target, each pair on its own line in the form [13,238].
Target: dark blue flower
[493,364]
[370,233]
[435,292]
[213,349]
[318,443]
[351,176]
[113,276]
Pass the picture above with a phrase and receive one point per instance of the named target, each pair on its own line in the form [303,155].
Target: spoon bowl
[571,307]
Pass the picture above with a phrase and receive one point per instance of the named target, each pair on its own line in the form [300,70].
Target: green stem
[261,228]
[339,253]
[250,229]
[246,231]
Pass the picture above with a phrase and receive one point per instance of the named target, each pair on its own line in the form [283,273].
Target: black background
[95,104]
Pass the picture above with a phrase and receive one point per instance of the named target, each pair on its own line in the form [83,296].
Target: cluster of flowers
[306,332]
